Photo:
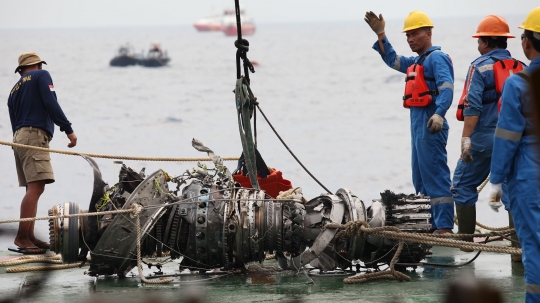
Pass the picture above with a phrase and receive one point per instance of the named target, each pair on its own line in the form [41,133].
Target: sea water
[328,94]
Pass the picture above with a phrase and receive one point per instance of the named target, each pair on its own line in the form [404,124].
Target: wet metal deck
[427,285]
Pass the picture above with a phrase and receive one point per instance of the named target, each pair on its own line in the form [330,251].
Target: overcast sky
[112,13]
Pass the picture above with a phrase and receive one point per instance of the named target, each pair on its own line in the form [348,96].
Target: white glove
[495,194]
[466,150]
[435,124]
[495,206]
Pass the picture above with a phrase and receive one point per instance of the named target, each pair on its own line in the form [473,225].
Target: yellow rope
[389,273]
[492,228]
[136,209]
[50,256]
[110,212]
[65,152]
[33,259]
[41,268]
[484,184]
[54,259]
[361,228]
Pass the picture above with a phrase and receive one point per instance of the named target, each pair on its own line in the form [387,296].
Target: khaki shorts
[32,165]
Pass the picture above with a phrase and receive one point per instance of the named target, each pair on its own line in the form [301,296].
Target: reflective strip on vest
[469,81]
[533,288]
[446,85]
[485,68]
[442,200]
[397,63]
[508,134]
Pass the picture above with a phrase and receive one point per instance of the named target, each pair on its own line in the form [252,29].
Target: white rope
[65,152]
[136,211]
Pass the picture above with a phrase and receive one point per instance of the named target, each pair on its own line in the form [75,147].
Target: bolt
[202,205]
[199,235]
[201,220]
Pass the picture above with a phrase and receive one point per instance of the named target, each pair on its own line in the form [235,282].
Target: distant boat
[229,23]
[209,24]
[226,23]
[156,57]
[125,57]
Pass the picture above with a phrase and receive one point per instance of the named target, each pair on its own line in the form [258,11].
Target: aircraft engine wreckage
[212,222]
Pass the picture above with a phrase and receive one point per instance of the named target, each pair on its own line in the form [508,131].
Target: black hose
[239,33]
[238,22]
[439,264]
[290,151]
[505,236]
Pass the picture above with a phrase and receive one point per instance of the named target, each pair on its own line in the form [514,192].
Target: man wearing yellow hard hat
[516,158]
[428,95]
[478,108]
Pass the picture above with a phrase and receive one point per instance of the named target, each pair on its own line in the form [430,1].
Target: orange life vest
[502,69]
[272,184]
[461,104]
[417,92]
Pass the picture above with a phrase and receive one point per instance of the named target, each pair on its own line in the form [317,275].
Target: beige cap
[29,58]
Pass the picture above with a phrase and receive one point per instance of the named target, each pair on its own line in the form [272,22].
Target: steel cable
[290,151]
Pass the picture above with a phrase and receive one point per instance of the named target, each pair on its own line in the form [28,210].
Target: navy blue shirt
[32,102]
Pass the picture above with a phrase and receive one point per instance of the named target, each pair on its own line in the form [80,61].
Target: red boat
[229,23]
[247,29]
[209,24]
[226,23]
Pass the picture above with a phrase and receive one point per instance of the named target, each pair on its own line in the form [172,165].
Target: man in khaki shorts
[33,111]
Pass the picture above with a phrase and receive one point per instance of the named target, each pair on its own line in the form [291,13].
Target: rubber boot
[515,258]
[466,217]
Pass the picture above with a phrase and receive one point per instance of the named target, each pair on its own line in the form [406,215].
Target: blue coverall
[516,158]
[430,172]
[480,88]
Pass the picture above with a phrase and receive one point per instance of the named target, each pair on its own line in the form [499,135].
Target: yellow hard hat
[416,19]
[532,22]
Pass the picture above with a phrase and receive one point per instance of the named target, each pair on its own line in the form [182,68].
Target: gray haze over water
[330,96]
[107,13]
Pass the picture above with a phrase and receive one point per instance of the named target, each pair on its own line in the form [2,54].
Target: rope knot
[355,228]
[136,209]
[242,45]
